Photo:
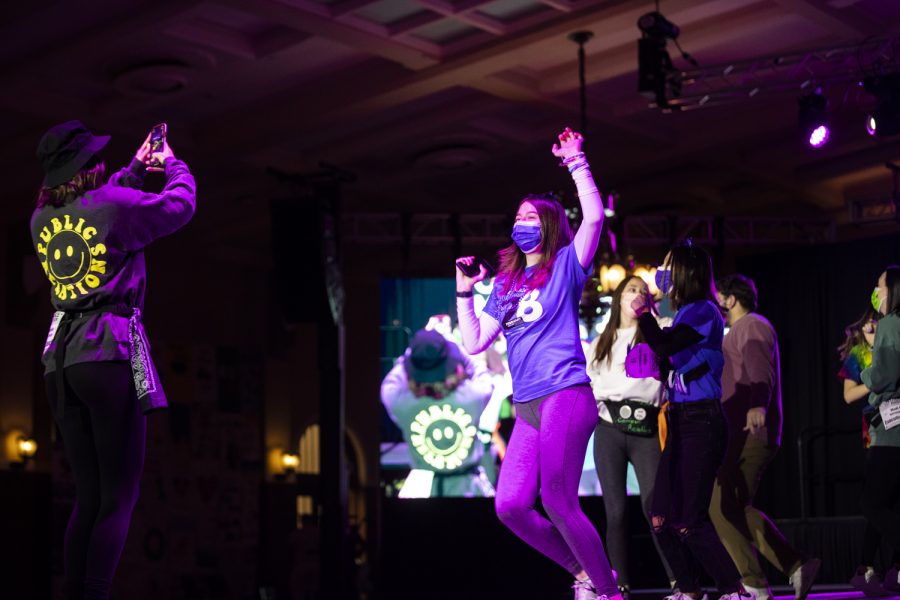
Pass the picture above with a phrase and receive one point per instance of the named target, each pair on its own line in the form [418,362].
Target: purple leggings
[553,457]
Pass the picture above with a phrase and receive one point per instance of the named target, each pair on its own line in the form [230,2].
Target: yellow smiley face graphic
[442,436]
[68,256]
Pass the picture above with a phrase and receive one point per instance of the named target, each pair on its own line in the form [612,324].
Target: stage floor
[781,593]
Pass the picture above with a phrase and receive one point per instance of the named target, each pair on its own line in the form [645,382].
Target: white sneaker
[679,596]
[892,581]
[736,596]
[584,590]
[759,593]
[866,580]
[803,577]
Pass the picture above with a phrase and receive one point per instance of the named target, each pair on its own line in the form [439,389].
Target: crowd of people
[698,413]
[695,411]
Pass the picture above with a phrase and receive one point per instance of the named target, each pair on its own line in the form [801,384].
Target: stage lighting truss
[837,68]
[492,230]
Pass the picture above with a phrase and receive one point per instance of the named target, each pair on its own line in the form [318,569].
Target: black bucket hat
[65,149]
[431,357]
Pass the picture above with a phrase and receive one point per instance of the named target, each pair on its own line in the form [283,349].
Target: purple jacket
[92,251]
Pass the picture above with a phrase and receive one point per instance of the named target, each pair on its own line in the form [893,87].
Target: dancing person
[534,302]
[856,355]
[691,360]
[881,492]
[626,432]
[435,394]
[751,402]
[90,238]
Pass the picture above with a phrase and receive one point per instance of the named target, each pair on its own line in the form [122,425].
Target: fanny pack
[633,418]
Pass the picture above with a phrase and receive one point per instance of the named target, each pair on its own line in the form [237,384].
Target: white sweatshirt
[608,378]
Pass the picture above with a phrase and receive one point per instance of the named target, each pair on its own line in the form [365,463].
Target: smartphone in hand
[157,143]
[475,268]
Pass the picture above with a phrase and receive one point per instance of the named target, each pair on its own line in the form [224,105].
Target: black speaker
[297,256]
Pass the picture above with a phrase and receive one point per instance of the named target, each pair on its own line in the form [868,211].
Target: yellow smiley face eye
[69,251]
[56,254]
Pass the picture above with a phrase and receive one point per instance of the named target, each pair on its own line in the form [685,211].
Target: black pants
[613,450]
[882,493]
[103,432]
[687,470]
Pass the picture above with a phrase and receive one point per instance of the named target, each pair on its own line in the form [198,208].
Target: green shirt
[883,376]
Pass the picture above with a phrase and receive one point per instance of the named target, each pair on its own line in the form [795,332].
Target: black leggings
[103,431]
[881,493]
[613,450]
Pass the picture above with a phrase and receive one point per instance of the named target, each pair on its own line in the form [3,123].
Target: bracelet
[578,167]
[468,294]
[571,159]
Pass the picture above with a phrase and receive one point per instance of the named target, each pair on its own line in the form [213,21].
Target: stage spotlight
[813,117]
[885,119]
[655,70]
[871,124]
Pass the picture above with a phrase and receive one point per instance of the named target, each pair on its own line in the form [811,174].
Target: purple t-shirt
[541,329]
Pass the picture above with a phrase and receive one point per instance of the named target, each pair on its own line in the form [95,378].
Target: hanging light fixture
[813,117]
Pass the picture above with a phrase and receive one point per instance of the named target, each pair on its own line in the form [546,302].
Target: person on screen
[436,395]
[534,302]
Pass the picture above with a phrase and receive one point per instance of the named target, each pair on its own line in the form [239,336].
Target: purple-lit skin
[819,136]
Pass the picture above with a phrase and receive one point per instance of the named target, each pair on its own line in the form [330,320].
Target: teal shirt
[883,376]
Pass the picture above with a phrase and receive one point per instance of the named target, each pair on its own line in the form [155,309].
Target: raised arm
[588,235]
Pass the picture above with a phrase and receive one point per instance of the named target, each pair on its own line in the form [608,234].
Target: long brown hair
[610,333]
[854,333]
[555,234]
[87,179]
[692,277]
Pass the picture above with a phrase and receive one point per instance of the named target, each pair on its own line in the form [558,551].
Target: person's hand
[143,153]
[640,305]
[464,283]
[160,158]
[756,420]
[569,144]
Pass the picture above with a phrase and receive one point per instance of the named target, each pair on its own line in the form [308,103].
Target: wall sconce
[648,274]
[611,276]
[20,448]
[289,462]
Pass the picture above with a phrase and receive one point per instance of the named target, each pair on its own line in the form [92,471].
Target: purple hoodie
[92,251]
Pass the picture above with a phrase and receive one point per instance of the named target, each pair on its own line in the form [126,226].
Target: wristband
[468,294]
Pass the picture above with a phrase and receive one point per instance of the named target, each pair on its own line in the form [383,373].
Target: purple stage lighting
[819,136]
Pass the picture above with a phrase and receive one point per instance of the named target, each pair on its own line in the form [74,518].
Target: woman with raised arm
[534,302]
[90,236]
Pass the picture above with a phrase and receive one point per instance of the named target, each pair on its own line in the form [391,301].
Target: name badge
[890,413]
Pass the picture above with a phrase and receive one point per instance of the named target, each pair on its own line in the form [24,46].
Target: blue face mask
[664,280]
[527,235]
